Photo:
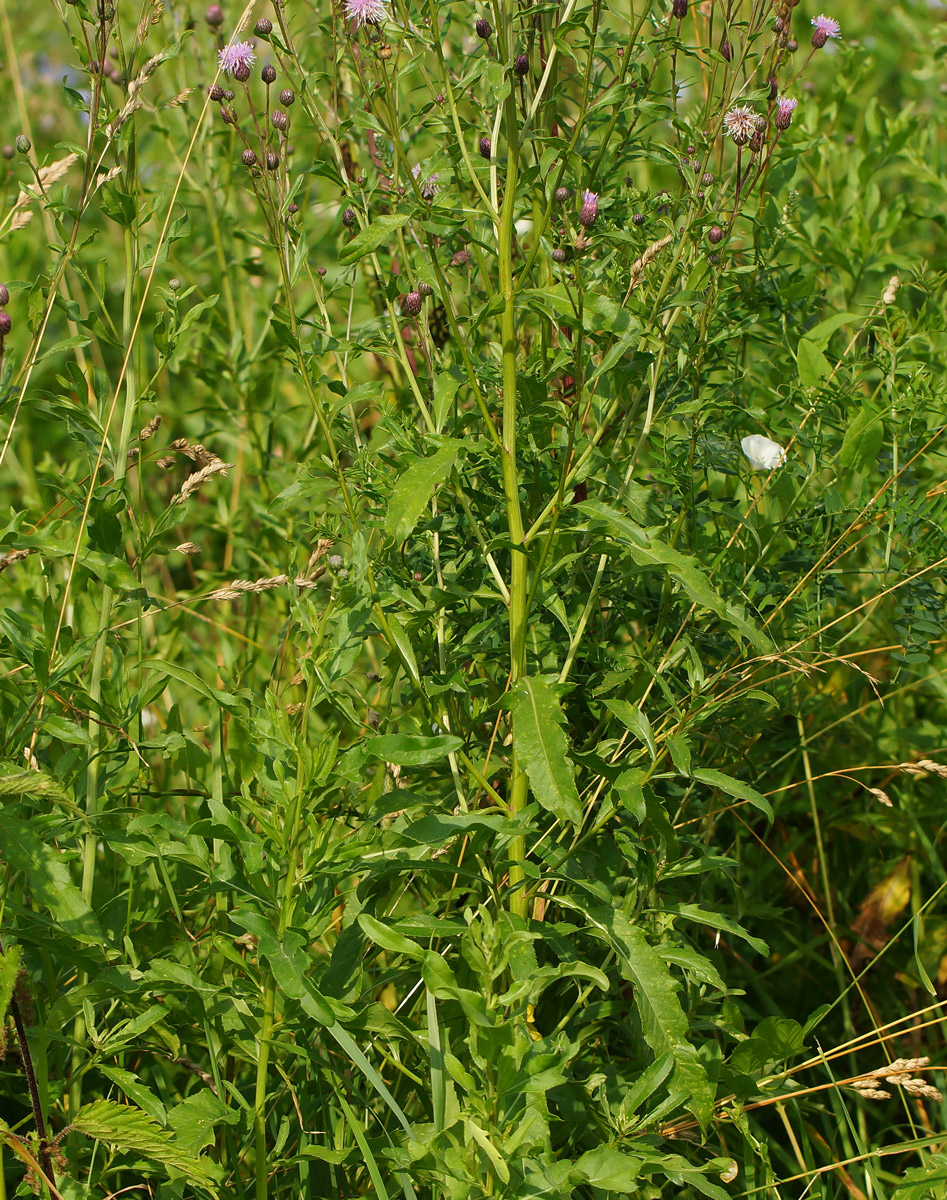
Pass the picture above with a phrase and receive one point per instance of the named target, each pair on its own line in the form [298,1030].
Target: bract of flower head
[827,25]
[428,187]
[366,12]
[740,123]
[762,452]
[239,54]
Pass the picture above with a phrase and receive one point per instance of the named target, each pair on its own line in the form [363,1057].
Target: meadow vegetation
[471,599]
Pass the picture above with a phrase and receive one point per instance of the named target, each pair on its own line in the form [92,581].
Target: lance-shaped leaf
[414,489]
[371,238]
[129,1128]
[541,746]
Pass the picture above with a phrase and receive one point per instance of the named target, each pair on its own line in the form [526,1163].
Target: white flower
[763,453]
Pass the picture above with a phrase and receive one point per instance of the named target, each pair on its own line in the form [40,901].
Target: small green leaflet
[414,489]
[634,719]
[733,787]
[541,746]
[129,1128]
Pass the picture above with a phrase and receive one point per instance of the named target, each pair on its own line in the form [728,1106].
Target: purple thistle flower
[240,54]
[825,28]
[427,187]
[785,107]
[740,124]
[589,210]
[366,12]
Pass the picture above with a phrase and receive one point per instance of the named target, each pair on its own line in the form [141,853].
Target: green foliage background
[435,761]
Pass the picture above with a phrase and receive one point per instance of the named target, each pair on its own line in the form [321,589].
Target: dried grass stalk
[150,428]
[243,587]
[639,266]
[14,556]
[197,478]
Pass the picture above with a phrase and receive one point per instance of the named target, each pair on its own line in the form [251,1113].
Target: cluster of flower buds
[6,323]
[236,60]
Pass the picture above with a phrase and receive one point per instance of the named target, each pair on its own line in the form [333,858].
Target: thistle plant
[472,619]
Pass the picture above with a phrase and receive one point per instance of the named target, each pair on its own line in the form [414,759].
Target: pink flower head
[827,25]
[366,12]
[589,210]
[785,107]
[240,54]
[428,187]
[740,124]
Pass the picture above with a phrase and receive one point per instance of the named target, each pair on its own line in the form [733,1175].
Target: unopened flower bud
[521,65]
[726,50]
[348,218]
[249,158]
[321,272]
[756,142]
[638,219]
[559,255]
[241,72]
[679,9]
[792,45]
[229,95]
[292,209]
[263,27]
[7,151]
[287,97]
[6,324]
[216,92]
[484,28]
[563,194]
[425,289]
[4,295]
[214,16]
[715,236]
[268,74]
[272,160]
[486,147]
[335,561]
[412,304]
[280,120]
[23,143]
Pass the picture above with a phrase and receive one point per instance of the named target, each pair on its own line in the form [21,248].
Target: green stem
[519,584]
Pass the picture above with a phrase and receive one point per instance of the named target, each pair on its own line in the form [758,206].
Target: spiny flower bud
[292,209]
[484,28]
[726,50]
[412,304]
[773,87]
[715,236]
[756,142]
[558,255]
[216,92]
[562,194]
[23,143]
[249,158]
[521,65]
[7,151]
[825,28]
[6,324]
[589,210]
[280,120]
[214,16]
[268,74]
[241,72]
[792,45]
[287,97]
[272,160]
[263,27]
[486,147]
[425,289]
[679,9]
[638,219]
[4,294]
[229,95]
[348,218]
[321,272]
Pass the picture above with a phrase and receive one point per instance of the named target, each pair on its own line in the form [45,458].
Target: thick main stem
[518,572]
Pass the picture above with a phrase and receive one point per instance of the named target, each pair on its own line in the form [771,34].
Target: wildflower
[740,124]
[589,211]
[428,187]
[238,55]
[23,143]
[825,28]
[763,453]
[785,107]
[366,12]
[563,194]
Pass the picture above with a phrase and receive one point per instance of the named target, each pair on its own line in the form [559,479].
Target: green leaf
[414,489]
[733,787]
[812,364]
[371,238]
[542,748]
[635,720]
[693,912]
[136,1091]
[863,439]
[648,551]
[411,750]
[50,883]
[9,970]
[128,1128]
[607,1169]
[195,1119]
